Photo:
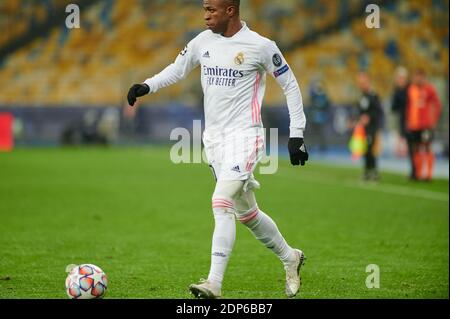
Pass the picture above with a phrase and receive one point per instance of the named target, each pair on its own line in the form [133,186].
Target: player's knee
[224,195]
[222,205]
[248,217]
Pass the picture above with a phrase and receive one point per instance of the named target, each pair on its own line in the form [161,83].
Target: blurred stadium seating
[19,17]
[123,42]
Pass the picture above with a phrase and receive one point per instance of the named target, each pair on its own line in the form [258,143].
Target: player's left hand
[297,151]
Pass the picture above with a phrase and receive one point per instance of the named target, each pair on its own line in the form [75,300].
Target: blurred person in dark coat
[370,116]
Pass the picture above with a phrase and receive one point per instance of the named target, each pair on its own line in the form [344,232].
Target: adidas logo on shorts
[236,169]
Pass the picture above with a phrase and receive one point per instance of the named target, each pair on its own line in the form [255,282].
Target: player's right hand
[136,91]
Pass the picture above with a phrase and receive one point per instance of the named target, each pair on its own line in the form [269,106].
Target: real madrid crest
[239,59]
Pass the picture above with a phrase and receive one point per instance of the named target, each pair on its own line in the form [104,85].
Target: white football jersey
[233,77]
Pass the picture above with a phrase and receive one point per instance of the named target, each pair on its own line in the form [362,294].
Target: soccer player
[371,115]
[234,61]
[422,115]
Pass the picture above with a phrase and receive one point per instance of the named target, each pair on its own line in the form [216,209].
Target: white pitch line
[382,188]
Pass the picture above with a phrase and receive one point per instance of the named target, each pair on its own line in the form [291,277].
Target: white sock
[266,231]
[222,244]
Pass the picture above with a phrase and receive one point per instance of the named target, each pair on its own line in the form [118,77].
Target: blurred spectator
[399,103]
[318,114]
[87,130]
[422,115]
[108,125]
[370,116]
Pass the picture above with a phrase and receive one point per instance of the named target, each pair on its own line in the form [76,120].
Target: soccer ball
[86,281]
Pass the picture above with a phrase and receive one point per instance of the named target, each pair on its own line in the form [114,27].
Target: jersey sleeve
[275,64]
[185,62]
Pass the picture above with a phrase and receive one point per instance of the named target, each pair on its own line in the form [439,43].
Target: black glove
[297,151]
[136,91]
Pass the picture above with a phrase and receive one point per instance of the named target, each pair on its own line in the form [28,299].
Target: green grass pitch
[148,224]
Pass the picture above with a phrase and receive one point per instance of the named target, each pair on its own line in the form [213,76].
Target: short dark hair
[235,3]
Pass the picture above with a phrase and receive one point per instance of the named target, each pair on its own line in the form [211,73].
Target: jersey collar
[242,30]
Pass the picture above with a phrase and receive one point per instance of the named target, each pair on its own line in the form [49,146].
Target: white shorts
[234,156]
